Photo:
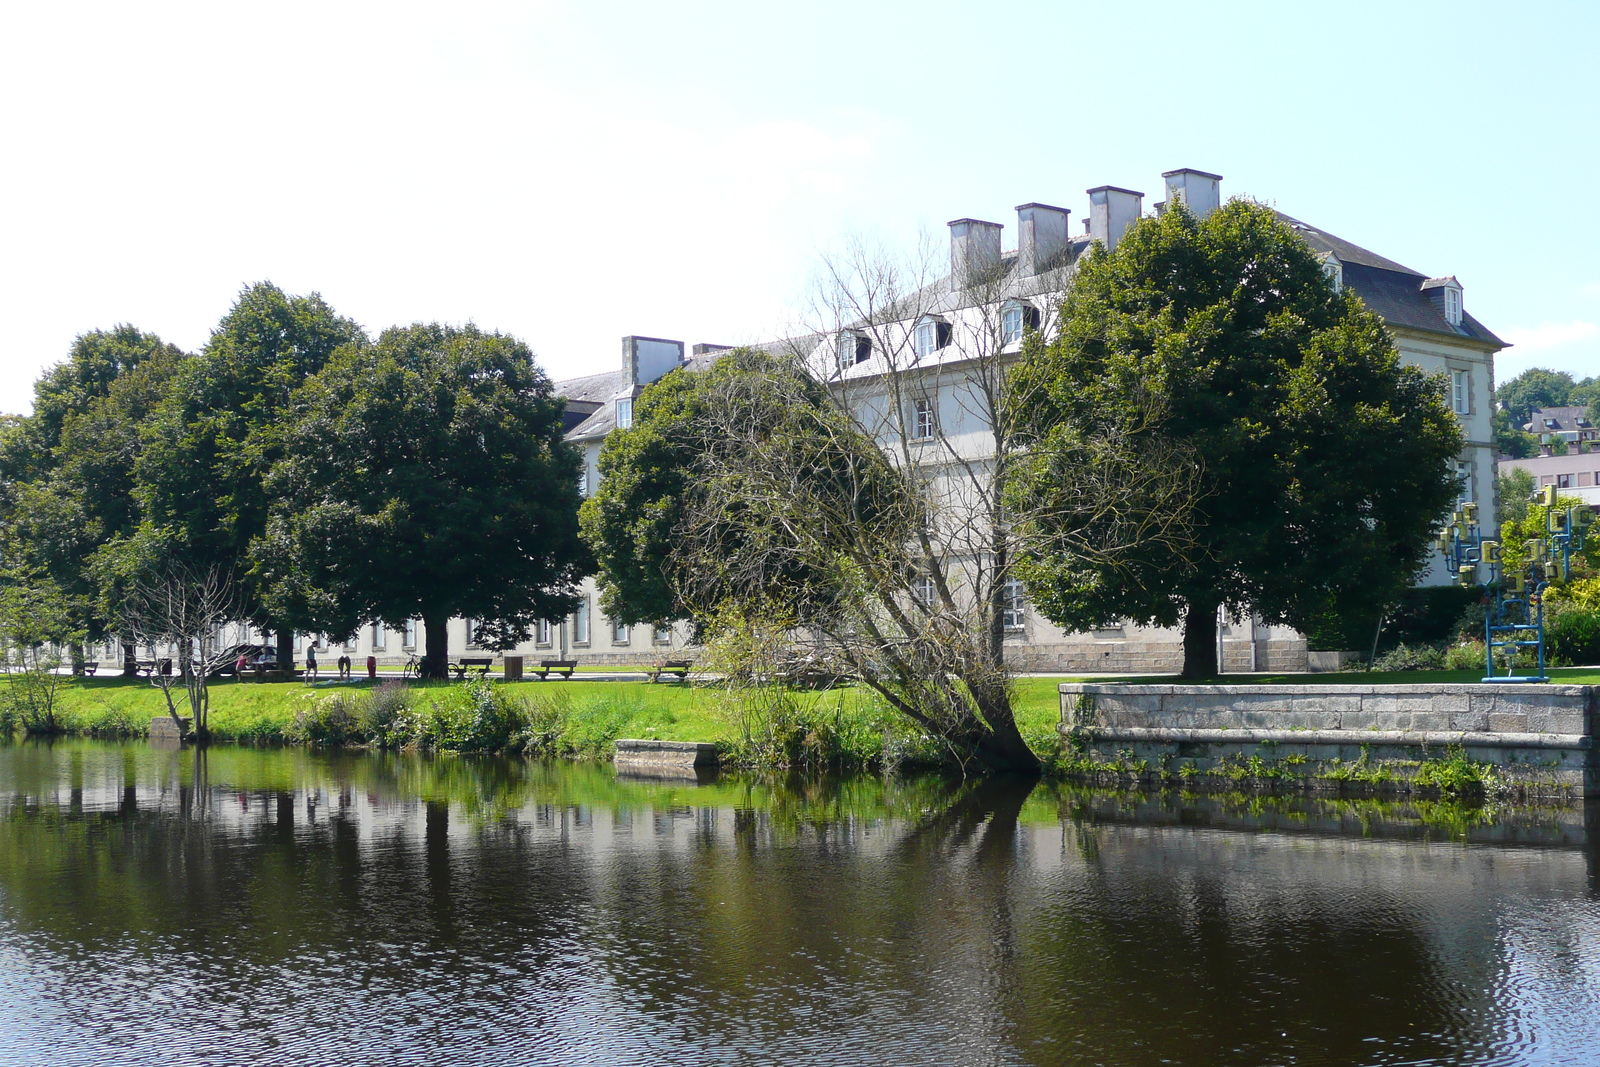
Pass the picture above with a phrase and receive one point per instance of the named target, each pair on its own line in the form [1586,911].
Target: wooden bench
[144,668]
[563,667]
[468,663]
[90,666]
[680,667]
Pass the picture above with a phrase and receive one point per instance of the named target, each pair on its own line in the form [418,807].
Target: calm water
[288,907]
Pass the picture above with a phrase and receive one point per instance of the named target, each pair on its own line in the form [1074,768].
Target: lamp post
[1513,598]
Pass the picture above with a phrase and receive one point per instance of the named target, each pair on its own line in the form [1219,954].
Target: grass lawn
[600,711]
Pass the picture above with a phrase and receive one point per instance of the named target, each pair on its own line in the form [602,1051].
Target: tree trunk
[437,649]
[285,638]
[1000,747]
[130,659]
[1200,638]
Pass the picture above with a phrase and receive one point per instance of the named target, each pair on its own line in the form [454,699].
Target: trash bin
[513,668]
[372,668]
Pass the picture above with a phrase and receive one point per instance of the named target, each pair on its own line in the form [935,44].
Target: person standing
[311,662]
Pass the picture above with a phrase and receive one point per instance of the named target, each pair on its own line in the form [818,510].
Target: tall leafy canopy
[1325,462]
[423,476]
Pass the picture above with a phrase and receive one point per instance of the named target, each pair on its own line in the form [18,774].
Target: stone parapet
[1539,736]
[657,756]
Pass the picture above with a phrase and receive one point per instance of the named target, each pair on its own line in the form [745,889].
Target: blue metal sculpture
[1514,599]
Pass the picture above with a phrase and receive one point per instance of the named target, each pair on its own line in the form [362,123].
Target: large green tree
[69,467]
[1324,463]
[1536,387]
[423,476]
[212,446]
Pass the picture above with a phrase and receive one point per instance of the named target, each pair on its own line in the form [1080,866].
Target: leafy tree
[212,445]
[1514,491]
[1510,439]
[69,466]
[1587,393]
[423,476]
[1324,463]
[1536,387]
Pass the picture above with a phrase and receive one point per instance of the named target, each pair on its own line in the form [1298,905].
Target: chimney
[1111,212]
[644,359]
[974,251]
[706,350]
[1201,191]
[1041,237]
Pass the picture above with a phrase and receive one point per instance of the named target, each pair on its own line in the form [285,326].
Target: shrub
[1572,637]
[1411,658]
[330,719]
[383,714]
[1465,656]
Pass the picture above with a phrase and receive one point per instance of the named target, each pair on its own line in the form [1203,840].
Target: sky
[571,173]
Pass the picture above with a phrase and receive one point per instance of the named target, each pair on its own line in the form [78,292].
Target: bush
[1572,637]
[331,719]
[1465,656]
[1411,658]
[384,715]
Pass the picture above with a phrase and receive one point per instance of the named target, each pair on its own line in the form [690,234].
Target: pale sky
[570,173]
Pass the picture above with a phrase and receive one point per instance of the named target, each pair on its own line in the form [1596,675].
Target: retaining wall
[1539,738]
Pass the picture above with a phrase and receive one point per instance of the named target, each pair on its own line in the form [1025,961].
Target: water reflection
[270,906]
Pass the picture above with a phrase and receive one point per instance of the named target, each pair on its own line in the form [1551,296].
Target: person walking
[311,663]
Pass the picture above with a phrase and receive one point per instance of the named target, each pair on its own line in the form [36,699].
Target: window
[1014,605]
[662,635]
[1458,391]
[926,339]
[299,642]
[350,643]
[1452,305]
[380,637]
[408,638]
[541,632]
[580,623]
[1563,481]
[926,592]
[583,483]
[853,348]
[624,414]
[1334,270]
[922,419]
[619,632]
[1011,324]
[472,633]
[1464,475]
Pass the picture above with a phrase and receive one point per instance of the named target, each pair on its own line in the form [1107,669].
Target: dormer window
[1334,270]
[1014,318]
[853,348]
[624,414]
[930,335]
[1452,306]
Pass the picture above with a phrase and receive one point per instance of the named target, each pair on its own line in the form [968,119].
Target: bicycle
[412,669]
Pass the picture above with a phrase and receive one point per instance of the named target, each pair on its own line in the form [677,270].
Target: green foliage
[1405,657]
[1572,635]
[1511,439]
[1325,461]
[35,622]
[1534,388]
[1514,490]
[1455,774]
[423,476]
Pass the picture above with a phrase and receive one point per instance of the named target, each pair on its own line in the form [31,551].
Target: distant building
[1570,424]
[1576,472]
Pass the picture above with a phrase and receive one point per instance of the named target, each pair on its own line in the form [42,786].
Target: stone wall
[1538,737]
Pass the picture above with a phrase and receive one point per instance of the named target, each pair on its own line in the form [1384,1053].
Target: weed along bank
[1532,740]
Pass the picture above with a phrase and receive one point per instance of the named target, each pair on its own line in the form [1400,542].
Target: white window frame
[620,632]
[1011,323]
[380,637]
[1014,605]
[580,623]
[1460,392]
[925,340]
[624,414]
[541,632]
[1452,305]
[926,591]
[583,483]
[661,635]
[1464,476]
[408,636]
[922,419]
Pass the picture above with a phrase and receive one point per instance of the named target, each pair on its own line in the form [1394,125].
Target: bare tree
[177,611]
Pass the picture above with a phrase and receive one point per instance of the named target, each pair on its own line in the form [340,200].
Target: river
[283,906]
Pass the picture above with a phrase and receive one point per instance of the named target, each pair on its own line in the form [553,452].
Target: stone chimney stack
[1201,191]
[1041,237]
[644,359]
[974,251]
[1111,212]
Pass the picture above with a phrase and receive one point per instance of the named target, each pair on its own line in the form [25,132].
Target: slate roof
[1566,419]
[1393,291]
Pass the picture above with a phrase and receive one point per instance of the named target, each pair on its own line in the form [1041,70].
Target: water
[286,907]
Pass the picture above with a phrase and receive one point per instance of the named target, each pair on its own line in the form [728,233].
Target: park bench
[467,663]
[680,667]
[563,667]
[144,668]
[90,666]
